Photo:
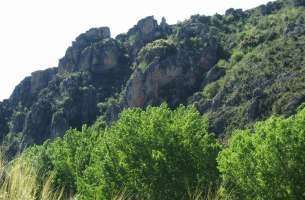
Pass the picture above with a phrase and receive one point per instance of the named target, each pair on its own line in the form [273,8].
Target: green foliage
[211,90]
[153,154]
[265,72]
[266,162]
[143,66]
[133,38]
[156,154]
[103,106]
[159,153]
[65,159]
[158,49]
[236,56]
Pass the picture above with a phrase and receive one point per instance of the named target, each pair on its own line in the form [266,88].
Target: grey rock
[40,79]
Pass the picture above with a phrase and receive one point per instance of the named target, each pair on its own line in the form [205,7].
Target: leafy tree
[267,162]
[154,154]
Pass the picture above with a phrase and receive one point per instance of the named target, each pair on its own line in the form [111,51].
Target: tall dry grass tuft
[18,181]
[197,194]
[122,196]
[211,194]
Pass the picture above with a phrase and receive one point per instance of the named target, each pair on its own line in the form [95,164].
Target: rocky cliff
[235,68]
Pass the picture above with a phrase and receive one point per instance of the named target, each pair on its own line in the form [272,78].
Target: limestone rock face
[70,62]
[4,118]
[101,56]
[171,72]
[17,122]
[142,67]
[22,94]
[37,122]
[47,103]
[145,31]
[59,125]
[168,79]
[146,88]
[40,79]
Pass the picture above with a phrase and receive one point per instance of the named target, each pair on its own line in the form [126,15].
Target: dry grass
[18,181]
[200,194]
[197,194]
[122,196]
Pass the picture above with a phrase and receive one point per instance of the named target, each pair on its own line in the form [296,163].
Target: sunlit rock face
[84,50]
[169,79]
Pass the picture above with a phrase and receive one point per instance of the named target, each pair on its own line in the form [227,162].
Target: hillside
[212,108]
[236,69]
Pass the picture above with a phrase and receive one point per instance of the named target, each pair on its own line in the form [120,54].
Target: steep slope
[235,68]
[265,72]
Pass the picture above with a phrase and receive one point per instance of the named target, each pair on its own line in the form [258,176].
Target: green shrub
[65,159]
[152,154]
[155,154]
[157,49]
[267,162]
[236,56]
[211,90]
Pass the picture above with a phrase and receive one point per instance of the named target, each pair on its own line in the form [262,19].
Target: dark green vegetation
[231,70]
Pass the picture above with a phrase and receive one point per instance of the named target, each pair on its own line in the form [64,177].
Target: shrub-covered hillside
[264,73]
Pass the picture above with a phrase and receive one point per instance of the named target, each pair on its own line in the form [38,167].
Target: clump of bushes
[159,49]
[154,154]
[266,162]
[159,153]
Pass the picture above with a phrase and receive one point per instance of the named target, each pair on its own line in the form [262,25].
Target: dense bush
[64,159]
[156,154]
[267,162]
[152,154]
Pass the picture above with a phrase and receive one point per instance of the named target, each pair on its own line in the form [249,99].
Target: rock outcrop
[231,67]
[47,103]
[144,32]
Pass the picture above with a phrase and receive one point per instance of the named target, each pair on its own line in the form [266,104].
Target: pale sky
[34,34]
